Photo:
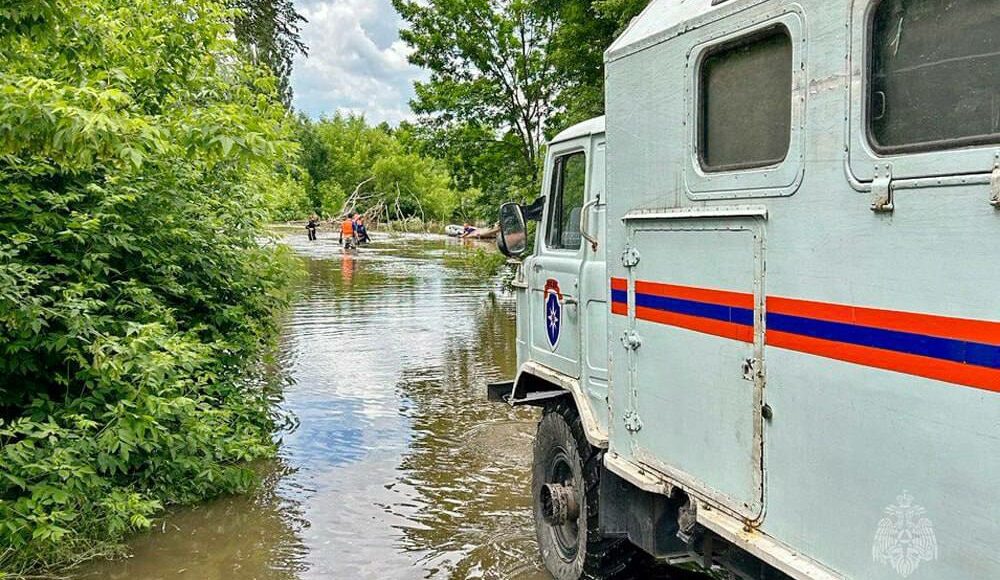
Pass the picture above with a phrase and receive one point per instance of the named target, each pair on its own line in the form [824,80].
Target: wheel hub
[559,504]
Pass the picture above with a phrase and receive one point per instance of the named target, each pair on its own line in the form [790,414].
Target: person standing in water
[311,227]
[348,232]
[362,230]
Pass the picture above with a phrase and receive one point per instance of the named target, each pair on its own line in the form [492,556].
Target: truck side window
[934,77]
[745,102]
[566,199]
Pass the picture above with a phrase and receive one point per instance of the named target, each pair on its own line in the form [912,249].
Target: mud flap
[503,392]
[499,392]
[648,520]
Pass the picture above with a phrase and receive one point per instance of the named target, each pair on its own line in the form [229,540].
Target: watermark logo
[905,537]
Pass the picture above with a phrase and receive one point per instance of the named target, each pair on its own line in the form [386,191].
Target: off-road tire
[561,445]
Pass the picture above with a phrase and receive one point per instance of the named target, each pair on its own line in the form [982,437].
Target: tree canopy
[506,74]
[490,64]
[269,33]
[585,30]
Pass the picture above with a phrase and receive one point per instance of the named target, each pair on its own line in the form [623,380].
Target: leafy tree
[505,74]
[479,161]
[269,32]
[421,187]
[285,195]
[329,198]
[137,152]
[491,67]
[352,148]
[584,30]
[344,155]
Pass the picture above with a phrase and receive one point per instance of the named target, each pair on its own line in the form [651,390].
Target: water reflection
[398,467]
[239,537]
[469,462]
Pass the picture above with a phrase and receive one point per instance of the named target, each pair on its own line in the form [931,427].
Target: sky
[356,61]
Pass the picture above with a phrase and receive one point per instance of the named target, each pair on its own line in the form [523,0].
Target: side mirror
[513,238]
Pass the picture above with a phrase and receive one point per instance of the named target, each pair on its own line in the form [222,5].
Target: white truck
[762,309]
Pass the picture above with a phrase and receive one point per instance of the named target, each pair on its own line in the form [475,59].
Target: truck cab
[563,306]
[561,285]
[761,313]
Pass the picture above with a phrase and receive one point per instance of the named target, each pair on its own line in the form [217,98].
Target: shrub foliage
[136,291]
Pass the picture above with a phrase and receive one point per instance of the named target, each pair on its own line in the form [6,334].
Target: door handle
[536,267]
[584,222]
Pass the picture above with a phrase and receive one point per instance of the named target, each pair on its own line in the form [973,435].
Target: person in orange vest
[348,230]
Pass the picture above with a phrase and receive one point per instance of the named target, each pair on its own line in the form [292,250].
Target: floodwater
[397,466]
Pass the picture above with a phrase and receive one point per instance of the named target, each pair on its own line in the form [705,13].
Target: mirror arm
[533,212]
[584,222]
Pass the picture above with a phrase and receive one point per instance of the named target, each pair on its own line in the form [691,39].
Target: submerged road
[395,466]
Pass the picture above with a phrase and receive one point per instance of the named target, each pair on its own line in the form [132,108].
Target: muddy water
[398,467]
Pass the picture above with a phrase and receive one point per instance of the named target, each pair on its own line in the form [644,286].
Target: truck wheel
[565,482]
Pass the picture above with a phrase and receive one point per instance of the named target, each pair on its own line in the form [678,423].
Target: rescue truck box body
[789,311]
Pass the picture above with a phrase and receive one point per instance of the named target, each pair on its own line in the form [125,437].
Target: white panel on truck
[694,378]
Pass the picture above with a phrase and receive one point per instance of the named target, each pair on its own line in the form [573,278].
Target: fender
[537,384]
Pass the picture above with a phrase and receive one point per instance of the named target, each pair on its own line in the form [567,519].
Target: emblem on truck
[553,311]
[905,537]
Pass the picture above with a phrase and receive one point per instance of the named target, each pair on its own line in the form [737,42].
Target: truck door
[553,273]
[696,283]
[594,293]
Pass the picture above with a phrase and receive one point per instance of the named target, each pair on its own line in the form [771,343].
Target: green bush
[136,293]
[285,196]
[331,198]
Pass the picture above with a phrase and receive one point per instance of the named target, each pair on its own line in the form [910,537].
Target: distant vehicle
[762,312]
[453,230]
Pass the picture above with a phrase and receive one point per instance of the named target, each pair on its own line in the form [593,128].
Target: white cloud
[356,62]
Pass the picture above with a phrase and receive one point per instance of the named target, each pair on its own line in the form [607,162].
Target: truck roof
[663,19]
[593,126]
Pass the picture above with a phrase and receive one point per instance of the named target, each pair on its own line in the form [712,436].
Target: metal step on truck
[761,311]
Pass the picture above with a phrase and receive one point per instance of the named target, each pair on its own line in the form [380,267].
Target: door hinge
[995,183]
[882,201]
[630,257]
[633,424]
[631,340]
[751,369]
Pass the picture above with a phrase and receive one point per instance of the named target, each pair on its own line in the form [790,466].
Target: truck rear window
[745,111]
[934,75]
